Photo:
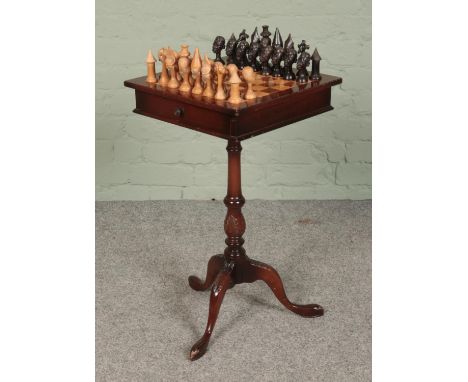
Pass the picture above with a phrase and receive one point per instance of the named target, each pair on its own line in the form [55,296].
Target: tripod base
[222,274]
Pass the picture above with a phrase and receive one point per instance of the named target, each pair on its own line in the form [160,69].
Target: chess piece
[266,35]
[265,53]
[277,40]
[218,45]
[249,77]
[184,52]
[276,58]
[241,47]
[196,67]
[289,58]
[231,49]
[315,75]
[234,81]
[206,75]
[164,77]
[302,63]
[253,51]
[220,73]
[151,69]
[251,55]
[184,63]
[171,60]
[288,41]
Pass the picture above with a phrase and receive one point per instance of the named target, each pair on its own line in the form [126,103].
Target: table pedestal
[234,267]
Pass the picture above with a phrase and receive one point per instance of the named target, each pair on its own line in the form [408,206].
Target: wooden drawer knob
[179,112]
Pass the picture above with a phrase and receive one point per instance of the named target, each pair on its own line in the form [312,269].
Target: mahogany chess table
[280,104]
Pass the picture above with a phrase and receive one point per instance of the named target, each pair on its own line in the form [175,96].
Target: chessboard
[266,88]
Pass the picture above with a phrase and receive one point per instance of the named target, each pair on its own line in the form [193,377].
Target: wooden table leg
[235,267]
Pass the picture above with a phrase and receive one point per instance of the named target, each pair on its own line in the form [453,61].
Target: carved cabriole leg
[221,285]
[214,266]
[257,270]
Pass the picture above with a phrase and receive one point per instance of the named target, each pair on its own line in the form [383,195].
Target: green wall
[325,157]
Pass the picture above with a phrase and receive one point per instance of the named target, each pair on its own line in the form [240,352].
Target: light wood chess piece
[196,67]
[164,78]
[220,73]
[151,68]
[206,75]
[185,72]
[249,77]
[171,60]
[184,52]
[234,81]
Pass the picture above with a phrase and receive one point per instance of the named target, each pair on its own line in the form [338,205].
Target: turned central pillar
[234,223]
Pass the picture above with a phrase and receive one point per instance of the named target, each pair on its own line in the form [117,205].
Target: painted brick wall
[326,157]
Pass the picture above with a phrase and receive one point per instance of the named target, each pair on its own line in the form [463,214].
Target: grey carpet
[147,317]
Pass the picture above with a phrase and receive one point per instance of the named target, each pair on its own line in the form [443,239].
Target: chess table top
[279,102]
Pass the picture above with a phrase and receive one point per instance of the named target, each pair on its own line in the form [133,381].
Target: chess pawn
[220,73]
[315,75]
[164,77]
[151,69]
[249,77]
[196,67]
[234,81]
[206,75]
[185,72]
[171,59]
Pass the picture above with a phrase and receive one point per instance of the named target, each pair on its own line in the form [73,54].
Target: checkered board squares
[267,85]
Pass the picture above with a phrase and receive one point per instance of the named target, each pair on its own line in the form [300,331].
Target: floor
[147,317]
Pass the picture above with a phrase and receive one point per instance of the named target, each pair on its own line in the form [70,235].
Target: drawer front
[285,111]
[182,114]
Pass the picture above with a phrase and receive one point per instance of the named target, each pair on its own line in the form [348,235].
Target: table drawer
[182,114]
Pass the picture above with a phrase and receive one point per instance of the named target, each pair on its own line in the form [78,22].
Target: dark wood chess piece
[303,62]
[276,58]
[231,49]
[289,58]
[277,54]
[219,44]
[253,51]
[265,54]
[315,75]
[277,40]
[266,35]
[235,267]
[241,48]
[288,41]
